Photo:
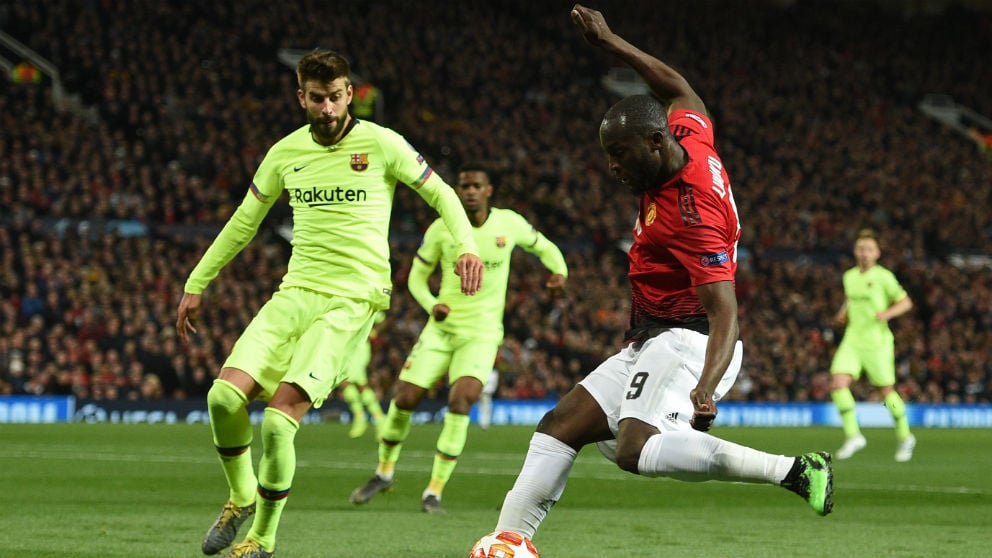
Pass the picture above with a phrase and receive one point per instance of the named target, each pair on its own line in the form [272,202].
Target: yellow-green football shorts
[302,337]
[878,362]
[438,352]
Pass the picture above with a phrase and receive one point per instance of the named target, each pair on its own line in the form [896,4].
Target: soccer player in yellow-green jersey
[463,333]
[340,176]
[873,296]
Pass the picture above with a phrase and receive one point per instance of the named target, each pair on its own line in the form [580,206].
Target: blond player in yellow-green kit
[873,296]
[340,175]
[462,335]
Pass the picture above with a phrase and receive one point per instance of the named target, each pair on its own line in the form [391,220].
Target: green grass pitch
[105,490]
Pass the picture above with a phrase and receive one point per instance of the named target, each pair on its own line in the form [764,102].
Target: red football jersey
[686,231]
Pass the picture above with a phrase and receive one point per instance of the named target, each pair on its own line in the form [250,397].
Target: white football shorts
[652,384]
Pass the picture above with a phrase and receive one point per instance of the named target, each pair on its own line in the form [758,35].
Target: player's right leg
[575,421]
[846,359]
[232,435]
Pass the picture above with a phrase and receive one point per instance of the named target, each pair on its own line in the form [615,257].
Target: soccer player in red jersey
[649,405]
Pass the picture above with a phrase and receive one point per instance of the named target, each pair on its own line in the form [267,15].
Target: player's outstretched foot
[358,427]
[851,446]
[249,548]
[812,477]
[905,450]
[432,504]
[375,485]
[223,531]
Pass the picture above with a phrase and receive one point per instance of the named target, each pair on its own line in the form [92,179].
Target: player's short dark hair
[639,114]
[476,166]
[322,66]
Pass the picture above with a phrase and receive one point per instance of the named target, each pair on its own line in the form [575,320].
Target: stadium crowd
[108,199]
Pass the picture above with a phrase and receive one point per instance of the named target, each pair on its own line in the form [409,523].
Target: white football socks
[689,455]
[539,485]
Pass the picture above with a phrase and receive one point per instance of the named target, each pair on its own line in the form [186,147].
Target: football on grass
[504,544]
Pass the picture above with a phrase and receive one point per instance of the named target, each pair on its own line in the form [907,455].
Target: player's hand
[556,283]
[592,24]
[704,412]
[440,312]
[469,267]
[189,306]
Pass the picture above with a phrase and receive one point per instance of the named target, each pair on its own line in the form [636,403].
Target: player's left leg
[881,372]
[451,442]
[655,437]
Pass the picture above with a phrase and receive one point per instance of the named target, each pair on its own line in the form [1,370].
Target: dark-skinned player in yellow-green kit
[462,335]
[340,174]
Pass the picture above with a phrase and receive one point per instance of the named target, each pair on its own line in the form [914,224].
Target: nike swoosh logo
[298,169]
[312,376]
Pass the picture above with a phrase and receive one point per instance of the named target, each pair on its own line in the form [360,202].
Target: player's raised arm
[669,85]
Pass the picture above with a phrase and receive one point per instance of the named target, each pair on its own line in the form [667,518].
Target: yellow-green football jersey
[869,293]
[341,196]
[480,315]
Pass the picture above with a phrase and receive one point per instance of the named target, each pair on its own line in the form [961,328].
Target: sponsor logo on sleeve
[719,258]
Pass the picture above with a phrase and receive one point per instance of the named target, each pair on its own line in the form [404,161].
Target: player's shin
[689,455]
[275,474]
[232,433]
[394,430]
[538,486]
[450,444]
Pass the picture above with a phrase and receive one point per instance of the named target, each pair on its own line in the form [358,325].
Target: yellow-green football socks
[275,475]
[450,445]
[353,398]
[371,403]
[394,430]
[844,400]
[232,435]
[898,409]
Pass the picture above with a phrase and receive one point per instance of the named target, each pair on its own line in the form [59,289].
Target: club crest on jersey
[359,161]
[719,258]
[501,242]
[652,214]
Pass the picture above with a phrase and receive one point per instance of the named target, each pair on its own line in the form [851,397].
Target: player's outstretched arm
[669,85]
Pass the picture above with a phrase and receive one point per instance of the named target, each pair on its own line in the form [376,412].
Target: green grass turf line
[106,491]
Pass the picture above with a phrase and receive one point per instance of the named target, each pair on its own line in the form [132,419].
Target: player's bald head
[638,115]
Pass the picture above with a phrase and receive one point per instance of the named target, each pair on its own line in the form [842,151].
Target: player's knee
[408,397]
[550,422]
[224,398]
[628,455]
[461,405]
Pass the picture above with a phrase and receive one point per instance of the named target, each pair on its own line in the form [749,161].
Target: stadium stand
[107,197]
